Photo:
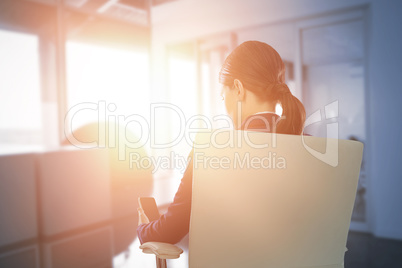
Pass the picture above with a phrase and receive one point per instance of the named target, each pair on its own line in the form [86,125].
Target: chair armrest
[162,250]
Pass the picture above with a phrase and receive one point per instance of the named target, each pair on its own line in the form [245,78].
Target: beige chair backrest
[287,205]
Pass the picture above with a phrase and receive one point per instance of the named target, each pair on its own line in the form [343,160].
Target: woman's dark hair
[261,70]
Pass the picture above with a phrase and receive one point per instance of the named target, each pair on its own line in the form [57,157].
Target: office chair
[285,205]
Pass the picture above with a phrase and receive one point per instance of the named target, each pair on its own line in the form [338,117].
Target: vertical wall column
[49,97]
[61,66]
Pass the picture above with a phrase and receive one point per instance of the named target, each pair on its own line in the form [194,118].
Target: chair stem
[160,263]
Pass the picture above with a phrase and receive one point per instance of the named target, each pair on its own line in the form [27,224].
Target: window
[106,83]
[20,110]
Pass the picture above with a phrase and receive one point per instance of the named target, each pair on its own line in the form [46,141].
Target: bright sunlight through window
[101,74]
[19,82]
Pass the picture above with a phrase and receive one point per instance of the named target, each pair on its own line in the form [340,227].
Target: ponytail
[293,115]
[261,70]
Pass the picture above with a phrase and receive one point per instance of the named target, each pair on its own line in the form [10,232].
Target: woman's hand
[142,218]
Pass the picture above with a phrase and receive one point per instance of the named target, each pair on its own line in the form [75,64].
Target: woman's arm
[172,226]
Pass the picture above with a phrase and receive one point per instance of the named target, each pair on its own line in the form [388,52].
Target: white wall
[190,19]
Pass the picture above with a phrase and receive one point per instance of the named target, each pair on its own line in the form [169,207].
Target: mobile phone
[148,204]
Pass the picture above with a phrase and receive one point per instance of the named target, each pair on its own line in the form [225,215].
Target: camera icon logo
[330,156]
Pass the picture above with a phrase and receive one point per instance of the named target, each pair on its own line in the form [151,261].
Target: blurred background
[138,75]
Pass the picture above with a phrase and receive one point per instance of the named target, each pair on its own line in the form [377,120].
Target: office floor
[364,251]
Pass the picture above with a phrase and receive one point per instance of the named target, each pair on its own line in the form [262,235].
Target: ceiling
[130,11]
[105,21]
